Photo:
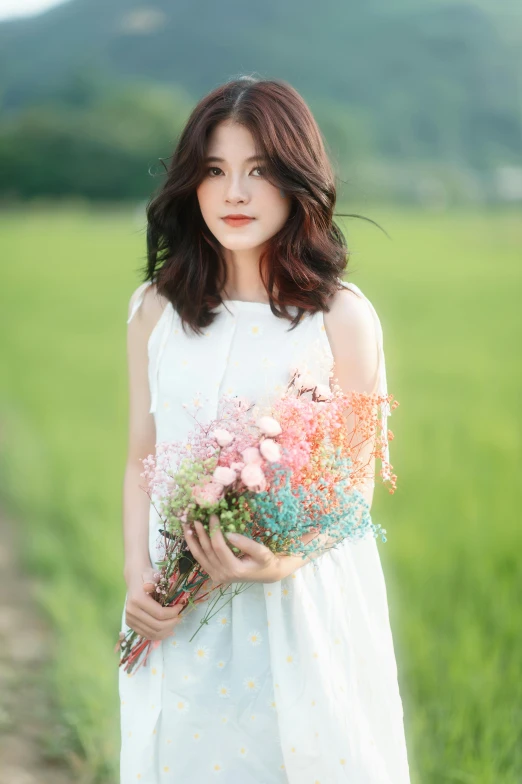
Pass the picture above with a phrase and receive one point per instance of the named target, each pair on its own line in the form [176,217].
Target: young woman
[296,680]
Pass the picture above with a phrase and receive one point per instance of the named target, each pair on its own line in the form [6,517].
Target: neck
[243,281]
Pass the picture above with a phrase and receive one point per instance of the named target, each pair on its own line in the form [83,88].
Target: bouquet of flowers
[290,476]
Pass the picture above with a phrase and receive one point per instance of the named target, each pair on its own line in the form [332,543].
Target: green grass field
[447,289]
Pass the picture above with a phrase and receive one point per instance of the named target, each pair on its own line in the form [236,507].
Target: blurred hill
[428,82]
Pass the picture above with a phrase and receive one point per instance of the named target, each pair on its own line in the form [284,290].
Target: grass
[447,289]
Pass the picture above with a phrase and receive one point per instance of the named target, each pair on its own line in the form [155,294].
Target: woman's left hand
[258,564]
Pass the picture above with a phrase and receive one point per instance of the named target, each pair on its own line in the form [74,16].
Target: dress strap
[382,385]
[163,326]
[138,299]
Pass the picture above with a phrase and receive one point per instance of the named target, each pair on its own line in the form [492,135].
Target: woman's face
[236,184]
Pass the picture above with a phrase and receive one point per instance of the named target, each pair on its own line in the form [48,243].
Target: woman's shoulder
[354,335]
[147,303]
[146,306]
[350,310]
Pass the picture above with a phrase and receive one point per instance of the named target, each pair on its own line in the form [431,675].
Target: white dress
[292,682]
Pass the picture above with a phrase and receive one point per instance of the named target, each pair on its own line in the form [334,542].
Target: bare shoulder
[149,309]
[352,334]
[349,316]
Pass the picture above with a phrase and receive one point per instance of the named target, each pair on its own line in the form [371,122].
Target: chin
[239,243]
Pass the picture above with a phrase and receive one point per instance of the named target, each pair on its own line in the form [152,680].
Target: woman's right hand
[145,615]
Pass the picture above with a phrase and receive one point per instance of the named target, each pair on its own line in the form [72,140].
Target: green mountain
[419,80]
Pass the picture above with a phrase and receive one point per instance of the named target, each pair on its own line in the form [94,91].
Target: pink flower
[222,436]
[237,466]
[253,477]
[251,454]
[224,475]
[270,450]
[209,493]
[269,425]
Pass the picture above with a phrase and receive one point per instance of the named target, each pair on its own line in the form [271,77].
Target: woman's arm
[142,614]
[350,329]
[141,434]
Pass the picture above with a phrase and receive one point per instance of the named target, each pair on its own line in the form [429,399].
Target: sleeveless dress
[293,682]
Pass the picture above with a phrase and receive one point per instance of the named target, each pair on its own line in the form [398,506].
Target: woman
[295,680]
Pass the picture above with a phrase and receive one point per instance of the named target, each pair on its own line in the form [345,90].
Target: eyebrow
[247,160]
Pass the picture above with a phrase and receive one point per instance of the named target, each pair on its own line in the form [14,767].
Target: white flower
[254,638]
[307,378]
[182,706]
[270,450]
[223,620]
[223,691]
[253,477]
[323,391]
[285,593]
[250,684]
[304,378]
[222,436]
[202,653]
[269,426]
[224,475]
[251,454]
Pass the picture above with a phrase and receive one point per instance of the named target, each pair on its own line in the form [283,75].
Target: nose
[236,189]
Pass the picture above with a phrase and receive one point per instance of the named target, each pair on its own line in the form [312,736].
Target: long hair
[303,260]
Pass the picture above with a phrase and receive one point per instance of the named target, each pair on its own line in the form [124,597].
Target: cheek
[202,196]
[206,198]
[276,209]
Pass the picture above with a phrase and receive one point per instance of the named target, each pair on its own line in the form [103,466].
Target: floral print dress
[293,682]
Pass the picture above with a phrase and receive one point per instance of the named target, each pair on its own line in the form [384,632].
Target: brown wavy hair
[303,261]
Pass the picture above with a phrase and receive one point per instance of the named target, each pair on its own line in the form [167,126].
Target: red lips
[237,220]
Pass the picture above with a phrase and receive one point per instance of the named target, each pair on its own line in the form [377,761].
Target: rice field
[447,288]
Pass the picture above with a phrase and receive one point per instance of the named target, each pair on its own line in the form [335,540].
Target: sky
[12,8]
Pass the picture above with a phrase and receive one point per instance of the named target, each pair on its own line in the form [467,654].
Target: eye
[216,168]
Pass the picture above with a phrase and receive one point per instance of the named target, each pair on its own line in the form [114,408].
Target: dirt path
[26,721]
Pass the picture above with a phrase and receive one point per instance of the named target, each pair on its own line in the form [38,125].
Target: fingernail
[231,536]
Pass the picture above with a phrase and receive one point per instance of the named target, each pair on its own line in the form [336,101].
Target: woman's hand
[258,564]
[145,615]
